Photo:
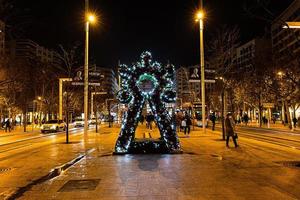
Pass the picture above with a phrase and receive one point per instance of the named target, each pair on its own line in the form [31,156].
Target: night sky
[126,28]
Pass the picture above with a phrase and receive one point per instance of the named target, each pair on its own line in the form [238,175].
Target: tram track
[284,142]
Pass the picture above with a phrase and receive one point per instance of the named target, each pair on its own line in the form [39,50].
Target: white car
[79,122]
[53,125]
[93,121]
[199,123]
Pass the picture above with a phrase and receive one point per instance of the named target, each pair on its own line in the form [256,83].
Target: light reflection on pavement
[206,169]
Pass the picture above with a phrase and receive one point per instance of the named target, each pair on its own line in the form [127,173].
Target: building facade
[190,91]
[251,52]
[286,42]
[28,49]
[109,83]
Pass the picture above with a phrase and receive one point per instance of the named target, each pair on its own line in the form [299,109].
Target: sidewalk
[275,127]
[206,170]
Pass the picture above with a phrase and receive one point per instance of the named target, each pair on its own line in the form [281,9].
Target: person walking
[183,125]
[229,128]
[295,122]
[187,129]
[178,122]
[149,121]
[7,125]
[246,119]
[142,119]
[213,120]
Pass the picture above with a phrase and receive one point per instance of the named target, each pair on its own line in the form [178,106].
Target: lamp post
[199,18]
[89,18]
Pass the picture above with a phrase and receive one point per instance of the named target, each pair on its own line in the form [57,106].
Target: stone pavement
[206,170]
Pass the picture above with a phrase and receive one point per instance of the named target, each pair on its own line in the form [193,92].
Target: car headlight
[53,127]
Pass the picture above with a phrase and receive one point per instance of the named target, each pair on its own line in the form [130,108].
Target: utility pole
[86,69]
[202,66]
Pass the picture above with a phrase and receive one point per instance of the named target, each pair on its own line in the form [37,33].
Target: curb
[52,174]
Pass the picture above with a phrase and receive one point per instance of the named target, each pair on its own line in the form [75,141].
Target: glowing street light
[90,18]
[280,73]
[199,18]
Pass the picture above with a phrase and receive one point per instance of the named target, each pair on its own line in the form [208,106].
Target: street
[261,168]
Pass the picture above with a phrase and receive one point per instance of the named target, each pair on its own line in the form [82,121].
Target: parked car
[198,122]
[93,121]
[53,125]
[79,122]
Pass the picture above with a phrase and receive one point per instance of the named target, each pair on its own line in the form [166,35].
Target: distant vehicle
[93,121]
[198,120]
[199,123]
[53,125]
[79,122]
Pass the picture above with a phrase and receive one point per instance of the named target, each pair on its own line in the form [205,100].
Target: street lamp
[280,73]
[89,18]
[199,18]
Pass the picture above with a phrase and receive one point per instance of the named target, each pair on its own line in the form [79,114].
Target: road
[25,159]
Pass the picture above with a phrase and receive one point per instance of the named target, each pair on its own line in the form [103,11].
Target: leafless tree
[222,51]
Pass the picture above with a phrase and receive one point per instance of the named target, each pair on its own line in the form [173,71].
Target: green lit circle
[147,84]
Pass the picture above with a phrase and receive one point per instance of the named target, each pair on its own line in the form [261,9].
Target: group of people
[149,120]
[186,125]
[8,125]
[242,118]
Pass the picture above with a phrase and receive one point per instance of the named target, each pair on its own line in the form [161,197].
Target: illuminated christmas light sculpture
[141,82]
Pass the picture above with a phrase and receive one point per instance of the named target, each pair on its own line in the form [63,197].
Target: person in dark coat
[213,120]
[142,119]
[188,121]
[295,122]
[246,119]
[149,121]
[229,128]
[7,125]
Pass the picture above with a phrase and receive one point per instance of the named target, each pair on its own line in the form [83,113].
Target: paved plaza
[205,170]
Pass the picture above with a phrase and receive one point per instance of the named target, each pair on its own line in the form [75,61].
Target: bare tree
[222,50]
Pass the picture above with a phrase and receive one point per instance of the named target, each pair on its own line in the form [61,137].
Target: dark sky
[128,27]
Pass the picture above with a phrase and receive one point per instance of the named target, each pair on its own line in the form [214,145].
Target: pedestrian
[295,121]
[178,122]
[246,119]
[183,125]
[264,119]
[230,132]
[274,119]
[149,121]
[187,129]
[213,120]
[13,124]
[142,119]
[7,125]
